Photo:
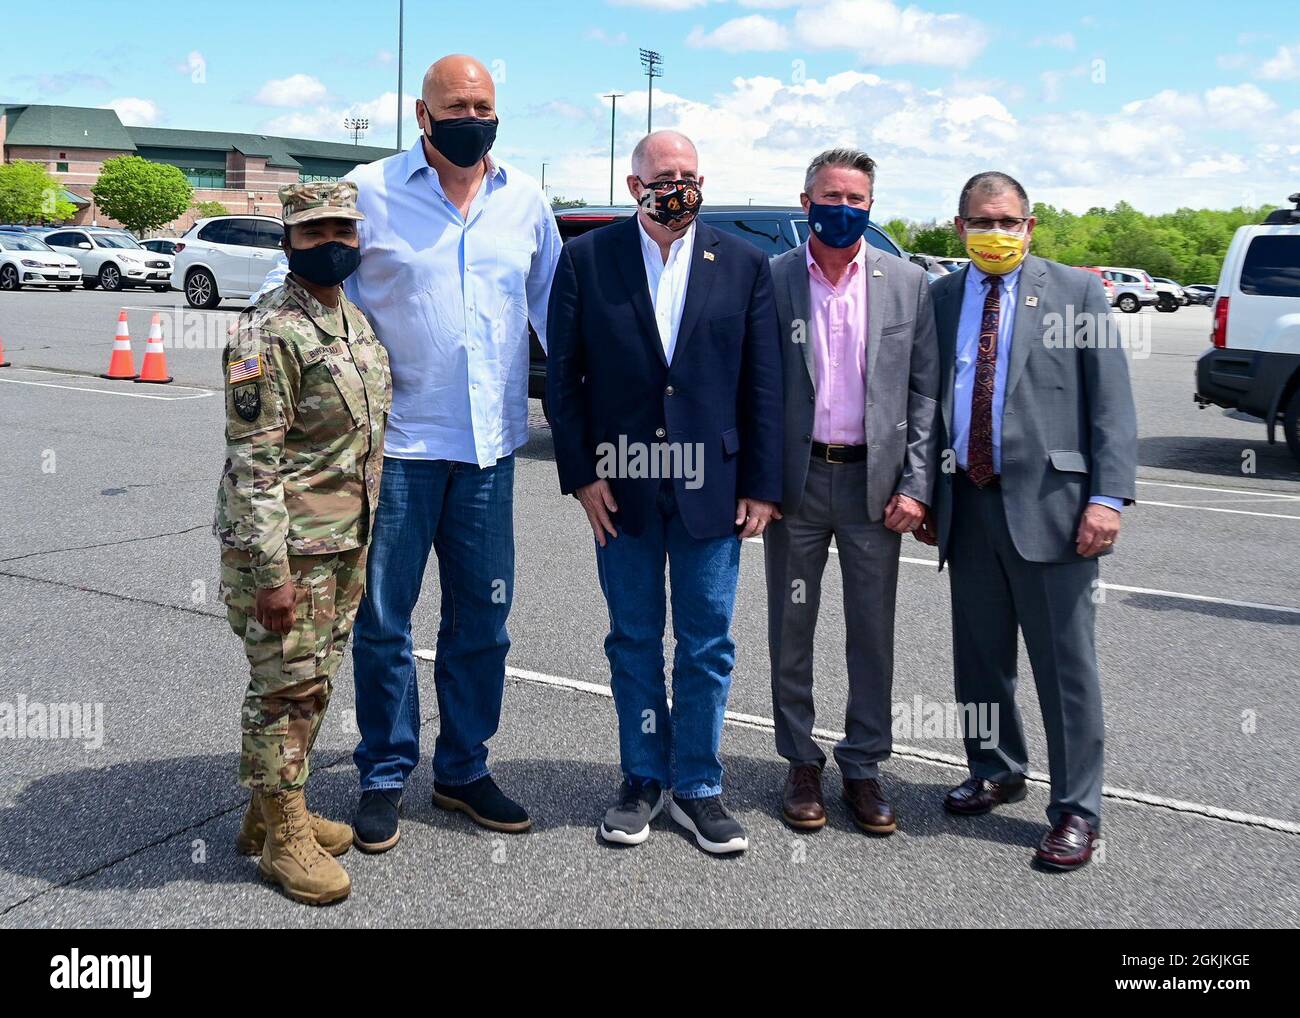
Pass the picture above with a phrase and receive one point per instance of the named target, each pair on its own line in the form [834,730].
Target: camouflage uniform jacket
[307,397]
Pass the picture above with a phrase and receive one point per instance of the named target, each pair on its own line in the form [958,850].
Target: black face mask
[326,264]
[672,203]
[463,140]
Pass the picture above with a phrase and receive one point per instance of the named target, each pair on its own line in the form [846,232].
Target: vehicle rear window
[1272,267]
[765,234]
[269,234]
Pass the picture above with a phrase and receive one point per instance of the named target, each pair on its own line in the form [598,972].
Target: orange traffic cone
[121,365]
[3,363]
[154,366]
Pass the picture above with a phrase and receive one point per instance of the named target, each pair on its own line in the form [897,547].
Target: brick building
[241,171]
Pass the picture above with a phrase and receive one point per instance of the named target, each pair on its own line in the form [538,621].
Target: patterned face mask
[671,203]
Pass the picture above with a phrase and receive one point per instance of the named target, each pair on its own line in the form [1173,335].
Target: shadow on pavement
[1160,603]
[1219,457]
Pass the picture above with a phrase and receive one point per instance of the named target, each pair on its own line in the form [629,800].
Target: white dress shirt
[667,281]
[451,298]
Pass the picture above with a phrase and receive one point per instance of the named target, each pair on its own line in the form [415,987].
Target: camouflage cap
[319,199]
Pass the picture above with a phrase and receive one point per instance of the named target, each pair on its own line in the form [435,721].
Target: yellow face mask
[996,252]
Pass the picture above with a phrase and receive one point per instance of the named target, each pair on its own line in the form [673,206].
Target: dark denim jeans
[679,750]
[466,514]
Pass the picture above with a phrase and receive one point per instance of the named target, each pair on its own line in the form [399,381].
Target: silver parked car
[112,259]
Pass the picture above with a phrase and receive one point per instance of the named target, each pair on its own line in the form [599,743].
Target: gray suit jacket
[902,378]
[1069,427]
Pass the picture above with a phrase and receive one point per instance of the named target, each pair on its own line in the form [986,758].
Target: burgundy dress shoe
[802,806]
[871,810]
[1068,845]
[975,796]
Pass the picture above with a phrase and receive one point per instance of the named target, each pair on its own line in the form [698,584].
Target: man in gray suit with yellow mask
[861,370]
[1039,428]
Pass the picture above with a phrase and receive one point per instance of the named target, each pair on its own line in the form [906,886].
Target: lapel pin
[876,272]
[1031,302]
[708,256]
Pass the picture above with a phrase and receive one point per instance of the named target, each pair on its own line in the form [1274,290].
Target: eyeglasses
[1010,224]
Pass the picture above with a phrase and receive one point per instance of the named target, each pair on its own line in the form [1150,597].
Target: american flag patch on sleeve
[246,370]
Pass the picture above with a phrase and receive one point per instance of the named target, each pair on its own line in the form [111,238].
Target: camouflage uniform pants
[291,675]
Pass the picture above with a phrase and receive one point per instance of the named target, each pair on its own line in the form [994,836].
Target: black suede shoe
[374,825]
[483,803]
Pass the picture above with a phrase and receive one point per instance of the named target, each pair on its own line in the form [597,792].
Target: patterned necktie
[979,448]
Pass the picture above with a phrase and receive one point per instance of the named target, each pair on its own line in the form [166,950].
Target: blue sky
[1160,104]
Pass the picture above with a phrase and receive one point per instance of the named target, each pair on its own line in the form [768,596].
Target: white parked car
[112,259]
[226,257]
[26,260]
[1254,362]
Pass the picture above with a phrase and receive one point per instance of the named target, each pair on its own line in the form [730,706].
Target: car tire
[110,278]
[66,289]
[201,290]
[161,289]
[90,283]
[1128,304]
[9,278]
[1291,423]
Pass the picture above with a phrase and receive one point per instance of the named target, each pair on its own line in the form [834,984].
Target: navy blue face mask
[838,225]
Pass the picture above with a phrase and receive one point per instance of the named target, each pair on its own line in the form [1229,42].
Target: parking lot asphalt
[108,580]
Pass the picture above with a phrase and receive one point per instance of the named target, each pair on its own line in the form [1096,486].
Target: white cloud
[295,90]
[662,5]
[135,111]
[1063,41]
[1283,65]
[880,32]
[325,122]
[741,35]
[605,38]
[756,138]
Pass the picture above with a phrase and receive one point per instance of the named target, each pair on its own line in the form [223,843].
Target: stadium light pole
[613,98]
[652,62]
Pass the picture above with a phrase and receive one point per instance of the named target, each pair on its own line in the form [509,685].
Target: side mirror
[84,245]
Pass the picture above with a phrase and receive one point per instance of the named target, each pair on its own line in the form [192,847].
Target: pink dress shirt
[839,349]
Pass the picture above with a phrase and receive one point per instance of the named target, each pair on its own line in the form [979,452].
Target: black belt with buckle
[839,453]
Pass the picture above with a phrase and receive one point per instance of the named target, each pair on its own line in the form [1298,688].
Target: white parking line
[1214,509]
[1229,602]
[931,757]
[194,393]
[1223,491]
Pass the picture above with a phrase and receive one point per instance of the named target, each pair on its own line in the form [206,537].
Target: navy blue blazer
[609,386]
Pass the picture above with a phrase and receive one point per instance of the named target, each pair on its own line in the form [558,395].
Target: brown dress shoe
[871,810]
[1068,845]
[802,806]
[975,795]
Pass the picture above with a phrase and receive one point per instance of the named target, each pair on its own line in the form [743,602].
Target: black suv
[770,228]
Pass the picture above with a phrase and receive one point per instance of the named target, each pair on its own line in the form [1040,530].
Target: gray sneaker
[628,823]
[715,830]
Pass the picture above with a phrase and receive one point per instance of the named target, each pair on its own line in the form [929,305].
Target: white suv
[112,259]
[25,260]
[1254,362]
[226,257]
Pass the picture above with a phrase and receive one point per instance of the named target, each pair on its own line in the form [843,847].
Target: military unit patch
[248,401]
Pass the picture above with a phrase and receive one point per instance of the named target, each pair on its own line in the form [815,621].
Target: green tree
[28,194]
[206,209]
[561,202]
[142,195]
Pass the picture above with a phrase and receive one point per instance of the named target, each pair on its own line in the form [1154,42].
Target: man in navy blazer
[665,395]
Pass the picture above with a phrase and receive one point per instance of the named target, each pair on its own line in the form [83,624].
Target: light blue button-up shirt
[451,299]
[968,348]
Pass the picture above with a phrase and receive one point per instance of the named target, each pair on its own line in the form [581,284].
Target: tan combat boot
[291,856]
[332,836]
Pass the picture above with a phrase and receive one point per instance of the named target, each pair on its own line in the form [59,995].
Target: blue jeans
[678,750]
[466,514]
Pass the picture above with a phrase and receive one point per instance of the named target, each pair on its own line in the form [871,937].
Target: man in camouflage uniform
[307,398]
